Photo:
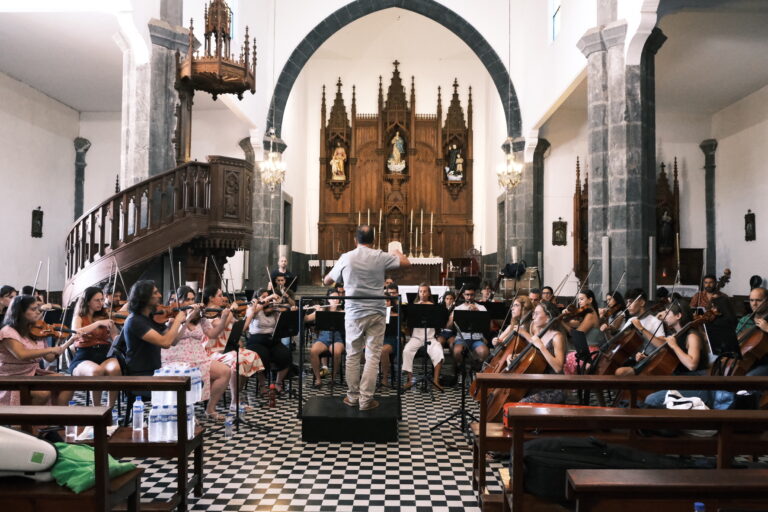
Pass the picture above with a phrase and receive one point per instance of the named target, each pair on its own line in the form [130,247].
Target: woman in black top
[143,336]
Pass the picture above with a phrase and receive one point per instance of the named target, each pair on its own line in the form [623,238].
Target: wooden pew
[636,490]
[727,423]
[122,443]
[22,494]
[492,436]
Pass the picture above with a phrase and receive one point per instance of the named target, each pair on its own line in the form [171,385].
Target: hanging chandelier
[511,174]
[273,168]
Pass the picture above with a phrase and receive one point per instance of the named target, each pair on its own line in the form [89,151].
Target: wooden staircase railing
[206,201]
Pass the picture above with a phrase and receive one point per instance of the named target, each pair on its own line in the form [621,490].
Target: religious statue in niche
[396,161]
[455,169]
[559,230]
[666,233]
[337,163]
[749,226]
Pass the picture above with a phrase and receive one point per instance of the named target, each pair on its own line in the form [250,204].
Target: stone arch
[428,8]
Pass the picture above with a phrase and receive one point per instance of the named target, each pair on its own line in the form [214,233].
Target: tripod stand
[233,343]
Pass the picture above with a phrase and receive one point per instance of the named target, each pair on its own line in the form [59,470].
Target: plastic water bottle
[229,423]
[172,394]
[115,416]
[272,396]
[165,418]
[138,414]
[190,421]
[698,507]
[70,431]
[173,424]
[155,425]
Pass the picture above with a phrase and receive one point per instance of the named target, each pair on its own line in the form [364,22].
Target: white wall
[216,132]
[37,143]
[103,158]
[741,130]
[566,131]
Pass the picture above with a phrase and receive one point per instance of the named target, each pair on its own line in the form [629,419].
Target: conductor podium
[325,417]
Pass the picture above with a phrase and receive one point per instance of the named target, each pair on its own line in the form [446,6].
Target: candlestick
[379,229]
[410,246]
[359,217]
[431,255]
[374,237]
[411,230]
[421,244]
[421,224]
[431,221]
[417,242]
[369,217]
[677,249]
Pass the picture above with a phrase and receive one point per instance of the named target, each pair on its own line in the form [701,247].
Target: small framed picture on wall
[749,226]
[559,232]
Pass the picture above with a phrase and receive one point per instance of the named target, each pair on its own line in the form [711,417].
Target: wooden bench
[636,490]
[492,436]
[727,423]
[122,443]
[19,494]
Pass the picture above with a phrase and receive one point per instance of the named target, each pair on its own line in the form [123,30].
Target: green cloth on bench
[75,467]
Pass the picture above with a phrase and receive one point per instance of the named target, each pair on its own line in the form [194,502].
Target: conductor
[362,271]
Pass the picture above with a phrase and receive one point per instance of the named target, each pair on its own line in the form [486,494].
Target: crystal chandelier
[511,174]
[273,168]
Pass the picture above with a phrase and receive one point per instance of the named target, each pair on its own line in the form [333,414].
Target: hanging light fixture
[273,169]
[511,174]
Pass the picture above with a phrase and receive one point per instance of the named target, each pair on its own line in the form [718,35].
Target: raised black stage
[327,418]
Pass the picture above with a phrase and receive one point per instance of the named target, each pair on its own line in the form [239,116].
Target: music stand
[583,358]
[233,343]
[462,281]
[287,326]
[330,321]
[469,322]
[425,316]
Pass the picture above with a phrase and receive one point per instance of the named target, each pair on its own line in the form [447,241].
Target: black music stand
[425,316]
[233,343]
[331,321]
[287,326]
[498,311]
[413,297]
[469,322]
[585,360]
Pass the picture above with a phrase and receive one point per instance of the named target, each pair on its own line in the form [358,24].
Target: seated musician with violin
[390,342]
[521,312]
[474,341]
[332,341]
[548,339]
[95,333]
[144,336]
[22,350]
[612,315]
[190,347]
[548,294]
[113,298]
[418,338]
[637,311]
[261,320]
[583,323]
[535,296]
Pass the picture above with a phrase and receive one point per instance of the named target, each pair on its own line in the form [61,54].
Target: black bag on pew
[546,461]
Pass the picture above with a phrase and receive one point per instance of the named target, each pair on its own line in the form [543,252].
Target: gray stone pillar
[519,211]
[538,200]
[709,147]
[267,212]
[81,148]
[621,154]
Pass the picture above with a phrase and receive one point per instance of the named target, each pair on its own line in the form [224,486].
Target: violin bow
[173,277]
[37,274]
[582,284]
[221,278]
[205,272]
[120,275]
[560,286]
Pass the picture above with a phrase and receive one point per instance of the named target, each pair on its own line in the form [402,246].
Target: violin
[40,330]
[571,312]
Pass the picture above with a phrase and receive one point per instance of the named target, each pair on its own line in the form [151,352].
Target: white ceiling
[71,57]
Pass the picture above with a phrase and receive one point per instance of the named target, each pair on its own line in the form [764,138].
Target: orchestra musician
[282,268]
[520,309]
[326,341]
[261,319]
[390,341]
[757,298]
[548,294]
[641,319]
[7,293]
[703,298]
[612,315]
[419,337]
[474,341]
[535,296]
[586,326]
[92,344]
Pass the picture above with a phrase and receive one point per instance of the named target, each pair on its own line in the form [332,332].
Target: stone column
[519,210]
[81,148]
[542,145]
[267,212]
[622,179]
[709,147]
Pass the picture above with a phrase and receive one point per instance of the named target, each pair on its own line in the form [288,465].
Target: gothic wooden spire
[469,109]
[455,118]
[322,108]
[338,120]
[396,92]
[578,176]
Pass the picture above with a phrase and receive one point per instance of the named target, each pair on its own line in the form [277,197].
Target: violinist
[419,337]
[144,337]
[552,346]
[113,298]
[7,293]
[20,355]
[640,316]
[447,335]
[261,319]
[96,331]
[249,361]
[282,268]
[520,309]
[486,293]
[586,325]
[703,298]
[548,294]
[332,341]
[41,296]
[190,347]
[390,342]
[474,341]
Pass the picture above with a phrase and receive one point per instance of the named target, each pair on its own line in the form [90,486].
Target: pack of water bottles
[164,423]
[194,395]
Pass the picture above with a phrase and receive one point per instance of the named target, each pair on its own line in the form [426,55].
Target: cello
[753,346]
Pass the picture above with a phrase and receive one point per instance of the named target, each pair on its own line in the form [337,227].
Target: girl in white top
[418,337]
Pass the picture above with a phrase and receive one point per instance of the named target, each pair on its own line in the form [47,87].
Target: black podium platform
[327,418]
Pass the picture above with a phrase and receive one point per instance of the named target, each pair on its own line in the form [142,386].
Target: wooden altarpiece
[396,161]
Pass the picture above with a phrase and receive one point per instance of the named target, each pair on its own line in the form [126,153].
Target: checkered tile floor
[253,471]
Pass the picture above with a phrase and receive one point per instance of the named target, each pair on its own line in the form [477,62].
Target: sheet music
[395,245]
[389,311]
